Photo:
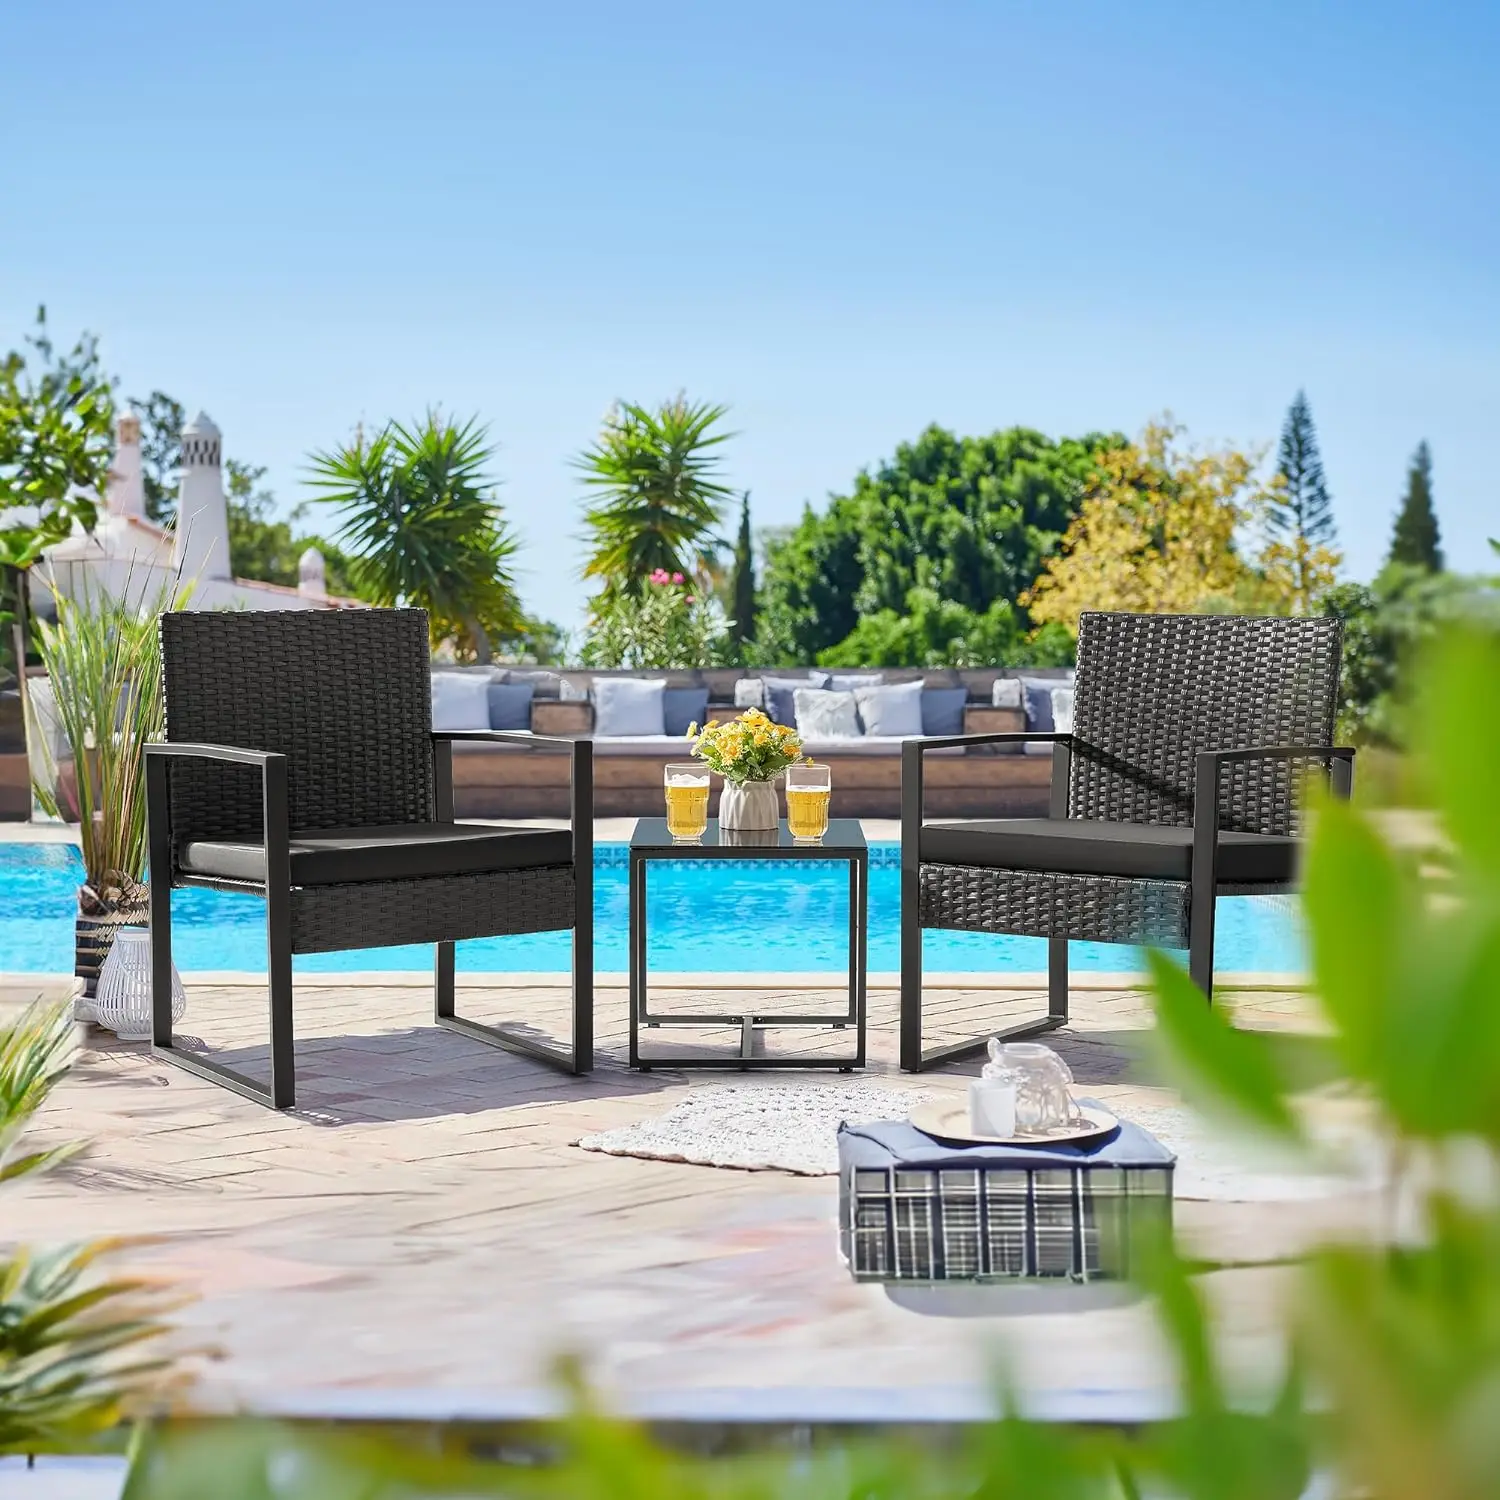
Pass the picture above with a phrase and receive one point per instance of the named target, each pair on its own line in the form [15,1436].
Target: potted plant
[749,752]
[101,657]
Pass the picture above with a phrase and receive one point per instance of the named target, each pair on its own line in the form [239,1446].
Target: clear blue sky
[844,219]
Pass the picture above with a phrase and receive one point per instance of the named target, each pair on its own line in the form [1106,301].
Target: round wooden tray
[948,1120]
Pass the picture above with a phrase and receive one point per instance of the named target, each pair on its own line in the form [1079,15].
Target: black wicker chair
[1175,785]
[300,764]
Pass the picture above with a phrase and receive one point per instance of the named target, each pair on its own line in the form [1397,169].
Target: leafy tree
[1301,556]
[656,500]
[419,517]
[742,593]
[162,421]
[935,632]
[56,415]
[1155,534]
[1415,541]
[1387,625]
[970,519]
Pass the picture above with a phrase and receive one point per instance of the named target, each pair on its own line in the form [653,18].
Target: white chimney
[125,494]
[312,576]
[200,548]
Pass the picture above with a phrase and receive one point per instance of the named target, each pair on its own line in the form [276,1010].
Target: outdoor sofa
[499,781]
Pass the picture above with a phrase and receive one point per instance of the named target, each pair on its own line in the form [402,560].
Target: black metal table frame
[858,860]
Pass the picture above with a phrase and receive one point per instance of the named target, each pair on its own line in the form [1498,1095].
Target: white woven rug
[792,1127]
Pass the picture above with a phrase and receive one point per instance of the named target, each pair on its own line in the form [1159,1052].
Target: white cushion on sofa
[460,700]
[629,705]
[823,712]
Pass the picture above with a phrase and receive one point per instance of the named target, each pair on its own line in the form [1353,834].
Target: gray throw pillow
[825,715]
[943,710]
[851,682]
[684,706]
[1006,693]
[894,711]
[749,692]
[778,695]
[460,700]
[629,705]
[1062,709]
[544,684]
[510,705]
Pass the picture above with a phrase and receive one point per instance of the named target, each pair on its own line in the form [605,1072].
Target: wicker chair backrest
[1154,690]
[345,695]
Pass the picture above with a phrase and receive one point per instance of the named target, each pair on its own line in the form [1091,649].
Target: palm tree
[419,517]
[657,499]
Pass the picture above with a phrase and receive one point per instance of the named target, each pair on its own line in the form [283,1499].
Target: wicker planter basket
[118,902]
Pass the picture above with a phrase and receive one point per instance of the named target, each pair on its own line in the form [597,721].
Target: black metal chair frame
[576,1056]
[1209,767]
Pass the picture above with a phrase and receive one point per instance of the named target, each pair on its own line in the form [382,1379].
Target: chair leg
[576,1058]
[444,988]
[911,975]
[1057,980]
[1201,946]
[914,1059]
[282,1093]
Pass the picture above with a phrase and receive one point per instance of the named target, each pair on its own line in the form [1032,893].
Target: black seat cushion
[402,851]
[1081,846]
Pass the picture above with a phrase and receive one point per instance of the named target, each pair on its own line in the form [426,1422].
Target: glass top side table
[844,841]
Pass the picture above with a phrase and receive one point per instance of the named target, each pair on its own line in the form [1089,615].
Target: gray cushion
[510,704]
[849,682]
[943,710]
[629,705]
[1083,846]
[544,684]
[749,693]
[778,691]
[460,700]
[401,851]
[823,712]
[895,710]
[682,707]
[1006,693]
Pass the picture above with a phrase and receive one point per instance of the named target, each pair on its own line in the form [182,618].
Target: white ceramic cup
[992,1106]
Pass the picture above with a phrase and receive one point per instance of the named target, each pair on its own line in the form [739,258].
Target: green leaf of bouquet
[1220,1069]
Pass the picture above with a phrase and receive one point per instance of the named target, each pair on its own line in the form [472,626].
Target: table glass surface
[844,837]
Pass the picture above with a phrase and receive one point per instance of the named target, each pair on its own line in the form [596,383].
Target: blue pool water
[723,916]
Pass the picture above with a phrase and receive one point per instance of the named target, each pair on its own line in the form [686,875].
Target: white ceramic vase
[749,805]
[122,1001]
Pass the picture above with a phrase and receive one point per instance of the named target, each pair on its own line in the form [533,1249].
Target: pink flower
[677,578]
[689,599]
[660,576]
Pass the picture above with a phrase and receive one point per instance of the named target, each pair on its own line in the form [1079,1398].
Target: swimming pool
[706,916]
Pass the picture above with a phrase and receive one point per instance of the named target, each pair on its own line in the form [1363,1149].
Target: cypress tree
[1302,511]
[1303,508]
[744,578]
[1415,540]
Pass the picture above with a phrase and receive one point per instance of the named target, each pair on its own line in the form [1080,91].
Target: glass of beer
[808,789]
[687,800]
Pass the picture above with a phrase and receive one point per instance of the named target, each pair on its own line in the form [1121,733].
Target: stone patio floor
[422,1237]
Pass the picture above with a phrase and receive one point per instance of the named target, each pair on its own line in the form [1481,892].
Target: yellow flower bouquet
[749,748]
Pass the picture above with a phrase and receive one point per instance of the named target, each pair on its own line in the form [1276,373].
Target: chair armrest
[1210,763]
[236,754]
[580,777]
[1279,752]
[274,816]
[522,737]
[924,743]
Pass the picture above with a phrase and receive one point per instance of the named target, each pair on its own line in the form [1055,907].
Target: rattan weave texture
[1154,690]
[443,908]
[343,694]
[1029,903]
